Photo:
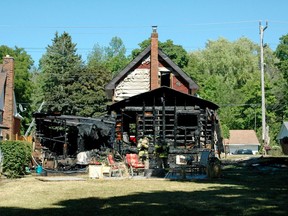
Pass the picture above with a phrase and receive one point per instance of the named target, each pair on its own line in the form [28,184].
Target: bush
[275,151]
[16,156]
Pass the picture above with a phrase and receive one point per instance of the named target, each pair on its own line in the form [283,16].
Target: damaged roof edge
[112,84]
[192,84]
[168,91]
[115,80]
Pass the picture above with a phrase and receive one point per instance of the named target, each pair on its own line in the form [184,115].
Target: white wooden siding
[138,81]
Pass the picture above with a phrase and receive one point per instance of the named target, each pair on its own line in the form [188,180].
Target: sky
[32,24]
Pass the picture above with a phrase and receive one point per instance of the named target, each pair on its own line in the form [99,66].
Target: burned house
[151,97]
[154,97]
[187,123]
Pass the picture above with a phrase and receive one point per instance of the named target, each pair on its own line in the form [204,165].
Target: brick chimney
[154,81]
[8,115]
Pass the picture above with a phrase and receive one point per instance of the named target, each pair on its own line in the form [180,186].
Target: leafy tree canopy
[228,74]
[112,57]
[175,52]
[282,91]
[282,54]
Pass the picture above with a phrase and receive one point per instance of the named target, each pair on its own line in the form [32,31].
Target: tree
[22,84]
[113,57]
[281,53]
[60,66]
[88,93]
[97,57]
[175,52]
[228,74]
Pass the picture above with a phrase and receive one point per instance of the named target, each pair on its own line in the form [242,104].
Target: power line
[130,27]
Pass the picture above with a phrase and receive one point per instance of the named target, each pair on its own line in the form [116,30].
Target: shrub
[16,156]
[276,151]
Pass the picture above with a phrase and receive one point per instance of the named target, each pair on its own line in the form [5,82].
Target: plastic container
[95,171]
[39,169]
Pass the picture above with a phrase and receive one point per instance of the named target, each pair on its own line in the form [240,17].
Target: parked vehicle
[243,151]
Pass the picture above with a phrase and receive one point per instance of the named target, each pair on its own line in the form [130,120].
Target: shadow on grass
[243,191]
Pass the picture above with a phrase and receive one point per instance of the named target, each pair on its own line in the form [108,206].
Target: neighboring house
[9,118]
[242,139]
[151,69]
[283,131]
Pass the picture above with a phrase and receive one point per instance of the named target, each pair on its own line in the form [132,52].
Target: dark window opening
[165,79]
[187,120]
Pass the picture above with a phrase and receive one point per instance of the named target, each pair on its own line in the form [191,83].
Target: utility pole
[261,32]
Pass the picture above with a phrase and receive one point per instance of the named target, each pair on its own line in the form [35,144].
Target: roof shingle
[243,137]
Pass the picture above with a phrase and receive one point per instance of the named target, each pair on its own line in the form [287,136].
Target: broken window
[187,130]
[165,79]
[187,119]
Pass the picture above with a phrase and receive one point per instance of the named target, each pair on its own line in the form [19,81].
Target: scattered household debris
[65,143]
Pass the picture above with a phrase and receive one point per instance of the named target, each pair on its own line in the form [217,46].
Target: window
[187,119]
[165,79]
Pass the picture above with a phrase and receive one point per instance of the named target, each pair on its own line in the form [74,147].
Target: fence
[22,138]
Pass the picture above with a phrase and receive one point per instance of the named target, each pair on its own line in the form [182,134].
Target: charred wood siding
[182,120]
[183,127]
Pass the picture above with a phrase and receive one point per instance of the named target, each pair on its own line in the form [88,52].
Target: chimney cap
[8,57]
[154,28]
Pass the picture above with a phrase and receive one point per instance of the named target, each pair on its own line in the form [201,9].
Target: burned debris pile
[69,142]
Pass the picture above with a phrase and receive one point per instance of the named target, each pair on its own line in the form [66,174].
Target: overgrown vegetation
[17,155]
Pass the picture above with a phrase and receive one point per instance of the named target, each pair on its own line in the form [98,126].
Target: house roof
[156,96]
[285,124]
[243,137]
[283,130]
[112,84]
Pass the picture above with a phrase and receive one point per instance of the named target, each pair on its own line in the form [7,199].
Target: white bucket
[96,171]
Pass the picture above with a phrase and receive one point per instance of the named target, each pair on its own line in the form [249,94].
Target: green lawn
[240,191]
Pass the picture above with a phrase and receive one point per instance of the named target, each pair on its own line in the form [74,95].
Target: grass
[240,191]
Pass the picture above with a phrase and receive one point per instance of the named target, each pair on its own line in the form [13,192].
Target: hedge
[16,156]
